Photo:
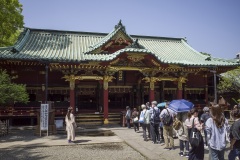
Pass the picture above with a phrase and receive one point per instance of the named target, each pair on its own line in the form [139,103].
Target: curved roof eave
[22,40]
[117,28]
[108,57]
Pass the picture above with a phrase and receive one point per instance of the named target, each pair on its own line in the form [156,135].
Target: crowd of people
[159,124]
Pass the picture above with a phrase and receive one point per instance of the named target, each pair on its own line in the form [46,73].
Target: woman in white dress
[70,125]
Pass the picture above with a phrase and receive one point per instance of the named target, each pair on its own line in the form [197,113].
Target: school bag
[167,119]
[156,116]
[195,137]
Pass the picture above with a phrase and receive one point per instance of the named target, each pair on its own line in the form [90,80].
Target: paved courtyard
[125,144]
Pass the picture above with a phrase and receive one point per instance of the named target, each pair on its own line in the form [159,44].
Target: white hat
[206,109]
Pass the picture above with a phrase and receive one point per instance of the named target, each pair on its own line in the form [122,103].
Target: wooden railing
[4,127]
[30,109]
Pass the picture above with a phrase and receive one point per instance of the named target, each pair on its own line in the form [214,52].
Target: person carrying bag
[195,138]
[135,119]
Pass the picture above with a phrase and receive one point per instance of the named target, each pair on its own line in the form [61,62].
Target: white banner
[44,116]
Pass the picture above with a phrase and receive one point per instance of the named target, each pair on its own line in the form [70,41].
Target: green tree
[11,92]
[230,81]
[11,21]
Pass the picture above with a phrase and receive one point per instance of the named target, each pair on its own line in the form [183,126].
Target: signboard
[44,114]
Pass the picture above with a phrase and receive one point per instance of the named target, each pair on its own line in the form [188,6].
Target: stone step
[97,119]
[90,123]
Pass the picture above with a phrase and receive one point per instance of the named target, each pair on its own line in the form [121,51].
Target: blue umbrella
[180,105]
[161,104]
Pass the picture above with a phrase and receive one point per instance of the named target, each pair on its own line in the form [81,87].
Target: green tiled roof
[69,46]
[118,28]
[105,57]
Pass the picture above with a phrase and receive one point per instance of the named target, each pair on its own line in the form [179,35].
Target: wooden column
[105,105]
[72,99]
[206,88]
[179,91]
[72,92]
[151,81]
[180,80]
[151,91]
[162,94]
[106,79]
[137,102]
[43,93]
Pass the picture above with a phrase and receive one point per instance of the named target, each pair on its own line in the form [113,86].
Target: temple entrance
[87,98]
[119,101]
[87,103]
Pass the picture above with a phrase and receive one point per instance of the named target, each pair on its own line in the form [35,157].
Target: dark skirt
[196,153]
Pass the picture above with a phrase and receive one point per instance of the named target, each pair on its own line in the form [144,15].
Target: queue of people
[212,123]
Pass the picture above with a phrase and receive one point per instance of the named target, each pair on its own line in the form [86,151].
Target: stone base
[106,121]
[51,130]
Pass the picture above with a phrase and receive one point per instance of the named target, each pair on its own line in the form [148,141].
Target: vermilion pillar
[151,91]
[181,80]
[151,95]
[105,104]
[72,92]
[43,94]
[206,88]
[106,79]
[179,93]
[72,99]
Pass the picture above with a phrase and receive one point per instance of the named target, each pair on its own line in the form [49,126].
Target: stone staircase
[93,119]
[114,118]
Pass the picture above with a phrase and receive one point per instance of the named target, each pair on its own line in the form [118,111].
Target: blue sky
[211,26]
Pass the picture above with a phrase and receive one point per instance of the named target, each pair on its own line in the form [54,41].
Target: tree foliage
[230,81]
[11,21]
[11,92]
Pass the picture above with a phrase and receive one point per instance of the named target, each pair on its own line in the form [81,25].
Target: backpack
[156,116]
[205,117]
[195,137]
[167,119]
[128,114]
[177,124]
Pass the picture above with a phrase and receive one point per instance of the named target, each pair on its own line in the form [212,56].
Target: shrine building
[103,73]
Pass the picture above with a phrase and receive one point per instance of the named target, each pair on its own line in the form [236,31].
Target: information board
[44,116]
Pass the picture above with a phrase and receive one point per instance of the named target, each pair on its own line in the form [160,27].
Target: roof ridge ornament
[135,44]
[209,58]
[120,25]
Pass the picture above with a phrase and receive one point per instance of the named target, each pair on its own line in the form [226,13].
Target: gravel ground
[112,151]
[108,151]
[26,135]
